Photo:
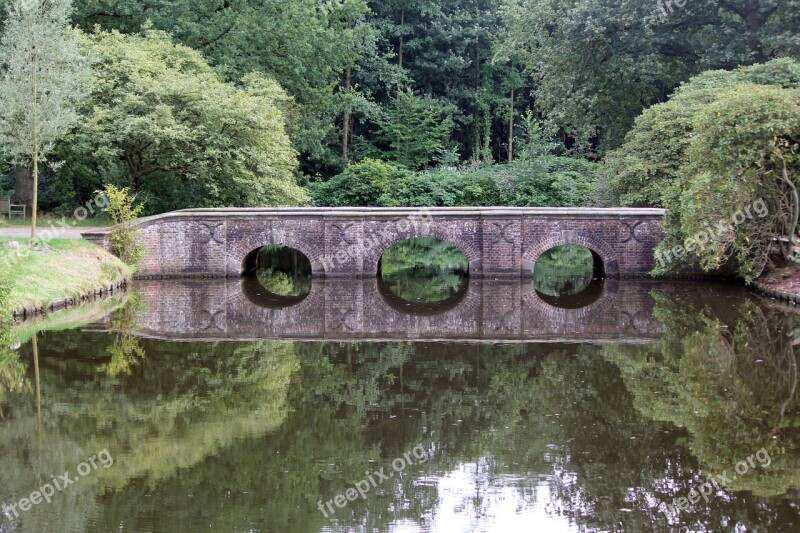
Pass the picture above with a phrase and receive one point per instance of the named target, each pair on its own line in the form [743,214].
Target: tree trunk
[477,116]
[346,120]
[35,206]
[511,129]
[23,186]
[402,23]
[133,160]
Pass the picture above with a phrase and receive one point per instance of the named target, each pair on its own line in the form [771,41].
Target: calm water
[497,408]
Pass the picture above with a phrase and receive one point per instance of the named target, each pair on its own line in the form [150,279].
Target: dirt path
[60,233]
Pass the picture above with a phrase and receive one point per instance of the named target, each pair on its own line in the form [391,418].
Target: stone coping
[389,213]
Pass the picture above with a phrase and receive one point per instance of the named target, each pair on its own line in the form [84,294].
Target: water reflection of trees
[259,432]
[424,270]
[523,411]
[564,271]
[732,382]
[158,418]
[126,350]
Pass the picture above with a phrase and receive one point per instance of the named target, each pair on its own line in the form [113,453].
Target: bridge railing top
[394,212]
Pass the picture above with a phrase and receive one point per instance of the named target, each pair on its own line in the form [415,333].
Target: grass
[44,221]
[64,268]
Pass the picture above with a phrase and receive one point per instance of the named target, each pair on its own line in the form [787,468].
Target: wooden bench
[10,210]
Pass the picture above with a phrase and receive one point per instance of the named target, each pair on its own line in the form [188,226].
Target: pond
[364,405]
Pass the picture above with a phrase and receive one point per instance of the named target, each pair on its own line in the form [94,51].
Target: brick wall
[498,242]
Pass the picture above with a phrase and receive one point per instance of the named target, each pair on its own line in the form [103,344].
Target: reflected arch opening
[569,277]
[423,274]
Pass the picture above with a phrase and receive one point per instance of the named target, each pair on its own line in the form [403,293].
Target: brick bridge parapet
[348,242]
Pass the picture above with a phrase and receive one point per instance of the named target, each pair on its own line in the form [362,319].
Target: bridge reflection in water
[492,311]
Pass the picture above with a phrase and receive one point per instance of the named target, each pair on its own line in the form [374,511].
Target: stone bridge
[352,309]
[349,242]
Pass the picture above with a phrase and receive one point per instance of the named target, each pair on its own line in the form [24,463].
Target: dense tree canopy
[598,63]
[160,120]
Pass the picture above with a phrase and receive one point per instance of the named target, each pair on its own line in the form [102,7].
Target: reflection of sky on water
[472,499]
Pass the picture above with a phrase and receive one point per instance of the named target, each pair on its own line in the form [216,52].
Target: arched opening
[276,276]
[569,276]
[424,271]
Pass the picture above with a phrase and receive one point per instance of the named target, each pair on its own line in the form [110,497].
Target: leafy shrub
[643,169]
[122,210]
[160,120]
[723,142]
[545,181]
[365,184]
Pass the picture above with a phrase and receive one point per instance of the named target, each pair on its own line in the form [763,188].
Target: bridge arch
[599,249]
[470,250]
[242,252]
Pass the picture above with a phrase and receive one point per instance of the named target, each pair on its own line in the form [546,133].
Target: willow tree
[44,76]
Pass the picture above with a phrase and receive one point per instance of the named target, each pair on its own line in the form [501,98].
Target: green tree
[450,49]
[415,129]
[599,63]
[161,121]
[724,141]
[43,79]
[303,44]
[363,184]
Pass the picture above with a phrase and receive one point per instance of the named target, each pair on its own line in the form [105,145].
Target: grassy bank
[59,270]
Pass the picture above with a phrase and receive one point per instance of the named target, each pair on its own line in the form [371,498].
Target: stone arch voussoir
[391,235]
[601,248]
[240,248]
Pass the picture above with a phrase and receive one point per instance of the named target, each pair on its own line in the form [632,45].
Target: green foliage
[564,270]
[424,270]
[306,48]
[547,181]
[122,208]
[283,271]
[718,146]
[447,51]
[415,129]
[599,63]
[12,372]
[422,253]
[733,386]
[160,121]
[363,184]
[642,170]
[126,351]
[744,150]
[43,79]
